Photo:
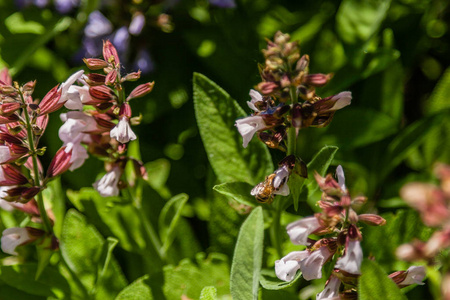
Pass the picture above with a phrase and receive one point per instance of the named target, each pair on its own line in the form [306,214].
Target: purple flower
[137,23]
[223,3]
[143,62]
[65,6]
[98,25]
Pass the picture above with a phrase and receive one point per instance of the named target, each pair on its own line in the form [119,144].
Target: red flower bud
[94,79]
[8,119]
[111,77]
[50,103]
[371,219]
[267,88]
[29,87]
[7,109]
[125,110]
[21,193]
[132,76]
[317,80]
[110,53]
[4,77]
[60,163]
[95,63]
[11,176]
[141,90]
[101,93]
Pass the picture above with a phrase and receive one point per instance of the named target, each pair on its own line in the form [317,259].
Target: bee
[264,191]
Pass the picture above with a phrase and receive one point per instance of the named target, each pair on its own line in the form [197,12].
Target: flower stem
[275,231]
[36,179]
[292,136]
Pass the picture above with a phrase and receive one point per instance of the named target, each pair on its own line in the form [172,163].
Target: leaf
[216,114]
[269,280]
[375,284]
[438,100]
[137,290]
[358,20]
[239,191]
[158,172]
[22,277]
[54,194]
[82,248]
[208,293]
[357,127]
[171,211]
[190,278]
[320,163]
[408,139]
[247,260]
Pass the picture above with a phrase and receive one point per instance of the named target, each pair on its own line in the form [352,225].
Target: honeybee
[264,191]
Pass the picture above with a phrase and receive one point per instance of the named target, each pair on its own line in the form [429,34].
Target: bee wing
[257,189]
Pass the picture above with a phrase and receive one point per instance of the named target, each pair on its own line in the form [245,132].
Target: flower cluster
[286,101]
[101,116]
[341,236]
[433,204]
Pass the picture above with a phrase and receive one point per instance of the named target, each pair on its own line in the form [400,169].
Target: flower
[13,237]
[65,86]
[256,97]
[136,24]
[414,275]
[107,185]
[5,154]
[248,126]
[331,290]
[122,131]
[351,261]
[299,231]
[312,265]
[341,178]
[280,181]
[287,267]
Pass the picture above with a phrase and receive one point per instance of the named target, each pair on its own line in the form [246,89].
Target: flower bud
[50,103]
[8,119]
[414,275]
[317,80]
[302,63]
[101,93]
[267,88]
[125,110]
[10,176]
[141,90]
[371,219]
[22,194]
[29,87]
[5,78]
[94,79]
[60,163]
[110,53]
[111,77]
[132,76]
[7,109]
[95,63]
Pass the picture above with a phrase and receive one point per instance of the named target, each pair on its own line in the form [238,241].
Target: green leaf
[169,217]
[408,139]
[216,114]
[247,260]
[111,217]
[158,172]
[356,127]
[55,194]
[17,24]
[22,277]
[438,100]
[82,249]
[190,278]
[296,187]
[138,290]
[358,20]
[375,284]
[208,293]
[239,191]
[269,280]
[320,164]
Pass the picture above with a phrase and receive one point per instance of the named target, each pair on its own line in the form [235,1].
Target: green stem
[275,231]
[292,137]
[37,179]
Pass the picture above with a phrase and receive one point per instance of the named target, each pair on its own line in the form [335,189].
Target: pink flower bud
[101,93]
[8,119]
[317,80]
[411,252]
[371,219]
[50,103]
[95,63]
[110,53]
[5,78]
[94,79]
[132,76]
[60,163]
[111,77]
[141,90]
[10,176]
[267,88]
[7,109]
[125,110]
[29,87]
[302,63]
[21,193]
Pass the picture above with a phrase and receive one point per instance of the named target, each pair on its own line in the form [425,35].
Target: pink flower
[351,261]
[414,275]
[299,231]
[341,178]
[331,290]
[107,185]
[5,154]
[122,131]
[248,126]
[287,267]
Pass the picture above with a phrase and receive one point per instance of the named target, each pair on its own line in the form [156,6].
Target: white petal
[414,275]
[283,191]
[331,290]
[341,177]
[312,266]
[247,127]
[13,237]
[66,85]
[107,185]
[122,131]
[351,261]
[286,267]
[344,99]
[5,154]
[299,231]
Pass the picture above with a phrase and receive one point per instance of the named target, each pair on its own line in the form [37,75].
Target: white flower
[343,99]
[5,154]
[122,131]
[414,275]
[287,267]
[312,265]
[79,155]
[248,126]
[5,205]
[351,261]
[256,97]
[280,181]
[65,86]
[76,96]
[107,185]
[341,178]
[299,231]
[331,290]
[13,237]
